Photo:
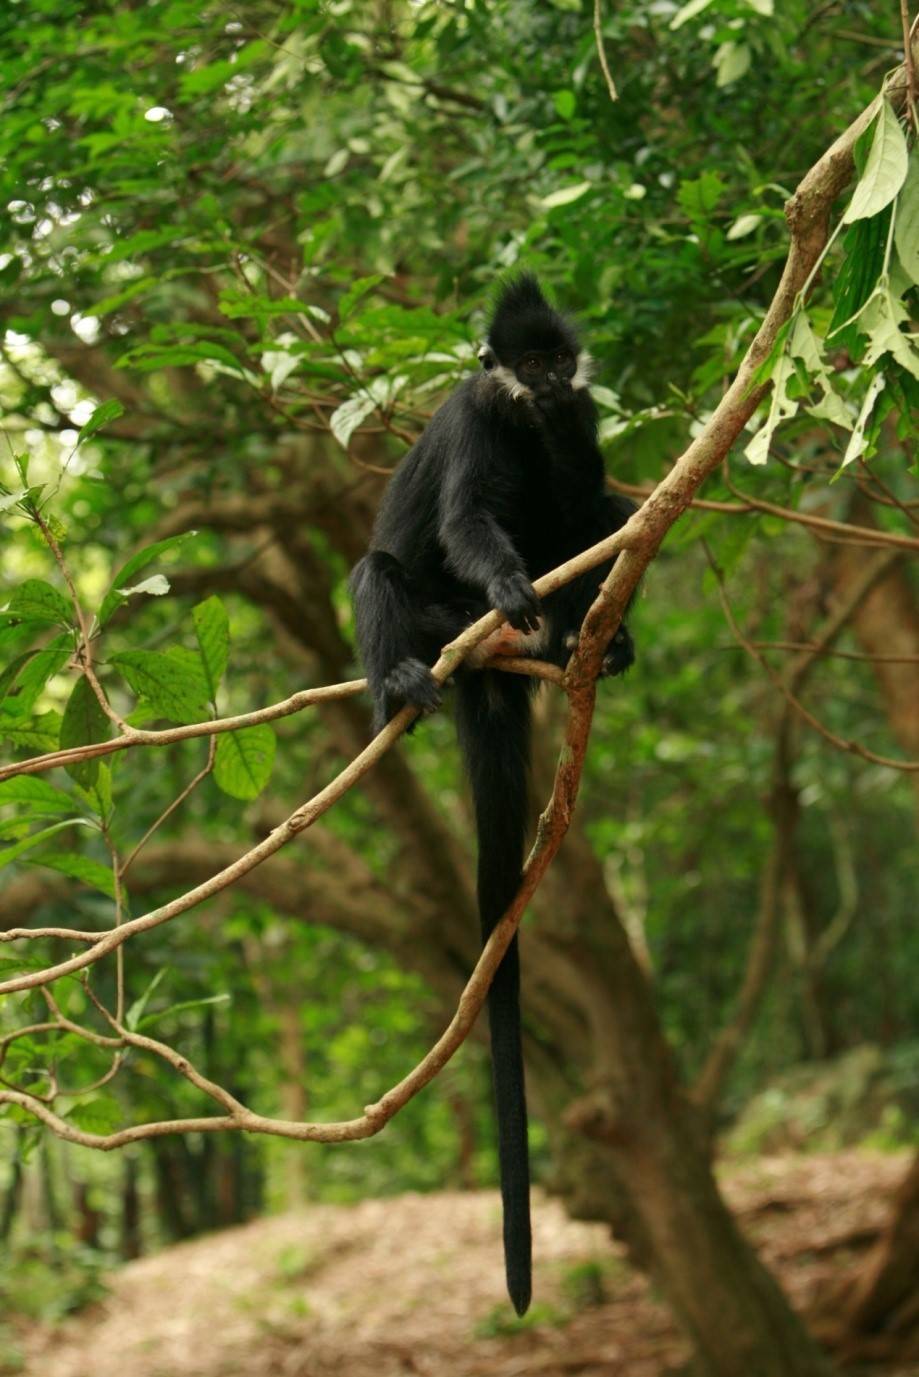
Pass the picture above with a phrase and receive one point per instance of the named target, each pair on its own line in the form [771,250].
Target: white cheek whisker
[584,371]
[508,380]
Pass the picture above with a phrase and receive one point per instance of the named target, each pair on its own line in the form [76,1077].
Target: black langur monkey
[506,482]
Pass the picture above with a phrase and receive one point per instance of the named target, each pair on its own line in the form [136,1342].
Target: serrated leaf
[35,600]
[885,170]
[113,597]
[565,195]
[157,585]
[244,760]
[346,418]
[212,628]
[108,411]
[906,229]
[857,442]
[12,853]
[28,791]
[83,724]
[689,11]
[358,289]
[82,868]
[172,681]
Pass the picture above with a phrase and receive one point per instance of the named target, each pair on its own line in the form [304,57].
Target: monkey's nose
[552,377]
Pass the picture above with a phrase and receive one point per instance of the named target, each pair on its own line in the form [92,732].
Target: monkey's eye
[562,358]
[532,361]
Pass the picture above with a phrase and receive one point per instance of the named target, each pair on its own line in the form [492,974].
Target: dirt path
[413,1285]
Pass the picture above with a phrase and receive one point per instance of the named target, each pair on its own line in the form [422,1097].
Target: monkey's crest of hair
[523,320]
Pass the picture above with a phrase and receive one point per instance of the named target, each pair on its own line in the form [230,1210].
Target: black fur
[503,485]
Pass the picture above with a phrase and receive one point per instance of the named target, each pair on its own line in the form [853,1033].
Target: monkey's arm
[478,550]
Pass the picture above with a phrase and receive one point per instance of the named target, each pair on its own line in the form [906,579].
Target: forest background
[243,255]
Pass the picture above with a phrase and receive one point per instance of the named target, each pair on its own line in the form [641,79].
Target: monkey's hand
[515,597]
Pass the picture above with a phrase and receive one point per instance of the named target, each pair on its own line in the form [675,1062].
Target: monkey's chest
[549,517]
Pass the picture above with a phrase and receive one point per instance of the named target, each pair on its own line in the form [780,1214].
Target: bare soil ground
[414,1285]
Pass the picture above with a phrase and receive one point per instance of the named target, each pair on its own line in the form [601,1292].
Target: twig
[601,52]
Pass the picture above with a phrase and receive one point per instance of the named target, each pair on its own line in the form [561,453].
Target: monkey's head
[531,350]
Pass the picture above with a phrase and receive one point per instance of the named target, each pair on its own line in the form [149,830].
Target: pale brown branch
[601,52]
[167,736]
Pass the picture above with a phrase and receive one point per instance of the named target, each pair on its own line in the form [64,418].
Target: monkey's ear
[486,357]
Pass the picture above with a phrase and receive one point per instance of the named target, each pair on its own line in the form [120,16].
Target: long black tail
[493,718]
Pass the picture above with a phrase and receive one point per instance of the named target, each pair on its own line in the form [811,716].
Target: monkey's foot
[620,654]
[411,682]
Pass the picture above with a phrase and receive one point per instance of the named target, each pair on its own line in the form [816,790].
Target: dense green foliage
[247,252]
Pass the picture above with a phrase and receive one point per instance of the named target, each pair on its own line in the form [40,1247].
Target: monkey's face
[547,373]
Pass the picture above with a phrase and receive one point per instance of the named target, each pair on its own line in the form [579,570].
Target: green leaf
[41,733]
[28,791]
[244,760]
[698,197]
[112,303]
[885,170]
[565,103]
[102,1115]
[135,1012]
[113,597]
[108,411]
[172,681]
[30,673]
[182,1007]
[360,288]
[79,867]
[12,853]
[83,724]
[565,195]
[906,229]
[862,265]
[212,628]
[35,600]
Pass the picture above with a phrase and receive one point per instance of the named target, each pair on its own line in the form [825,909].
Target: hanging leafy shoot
[866,361]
